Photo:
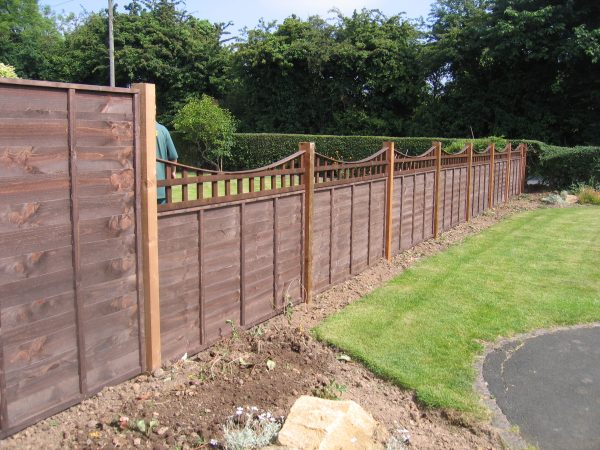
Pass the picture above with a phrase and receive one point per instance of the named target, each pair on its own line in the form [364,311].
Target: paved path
[549,386]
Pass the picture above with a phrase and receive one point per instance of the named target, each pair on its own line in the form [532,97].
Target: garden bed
[186,404]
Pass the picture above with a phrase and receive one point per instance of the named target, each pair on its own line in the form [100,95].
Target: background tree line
[515,68]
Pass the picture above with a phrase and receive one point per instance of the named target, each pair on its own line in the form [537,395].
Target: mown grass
[207,189]
[423,329]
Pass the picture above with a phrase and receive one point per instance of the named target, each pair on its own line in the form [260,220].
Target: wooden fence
[236,248]
[99,283]
[70,294]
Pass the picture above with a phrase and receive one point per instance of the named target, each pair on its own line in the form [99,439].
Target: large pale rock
[314,423]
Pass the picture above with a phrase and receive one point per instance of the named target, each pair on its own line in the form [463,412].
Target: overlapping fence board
[227,266]
[69,316]
[349,234]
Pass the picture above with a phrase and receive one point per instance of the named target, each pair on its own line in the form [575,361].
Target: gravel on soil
[189,401]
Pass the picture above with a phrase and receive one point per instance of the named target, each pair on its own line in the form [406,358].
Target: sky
[247,13]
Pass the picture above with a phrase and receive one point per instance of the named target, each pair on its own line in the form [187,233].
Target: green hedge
[559,167]
[253,150]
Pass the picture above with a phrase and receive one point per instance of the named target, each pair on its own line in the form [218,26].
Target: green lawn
[423,329]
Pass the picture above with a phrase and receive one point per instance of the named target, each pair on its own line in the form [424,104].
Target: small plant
[146,428]
[250,428]
[331,391]
[257,331]
[288,308]
[587,195]
[234,331]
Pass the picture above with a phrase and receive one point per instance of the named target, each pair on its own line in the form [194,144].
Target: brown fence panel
[230,251]
[480,183]
[69,240]
[453,190]
[501,167]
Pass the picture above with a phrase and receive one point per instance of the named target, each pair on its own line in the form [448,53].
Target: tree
[515,68]
[210,128]
[7,71]
[156,42]
[30,39]
[357,74]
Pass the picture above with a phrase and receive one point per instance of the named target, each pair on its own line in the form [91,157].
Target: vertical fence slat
[275,251]
[524,171]
[508,155]
[331,217]
[351,226]
[150,224]
[75,242]
[242,267]
[436,205]
[389,204]
[491,188]
[201,297]
[469,179]
[309,193]
[138,229]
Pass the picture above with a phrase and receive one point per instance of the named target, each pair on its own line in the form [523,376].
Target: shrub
[7,71]
[209,128]
[561,167]
[587,195]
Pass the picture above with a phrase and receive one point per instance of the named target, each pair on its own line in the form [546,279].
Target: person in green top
[165,149]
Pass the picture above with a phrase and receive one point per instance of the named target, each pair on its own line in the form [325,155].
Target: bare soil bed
[189,401]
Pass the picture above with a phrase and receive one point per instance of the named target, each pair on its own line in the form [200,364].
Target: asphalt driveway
[549,386]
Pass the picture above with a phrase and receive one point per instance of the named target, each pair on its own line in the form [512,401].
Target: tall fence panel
[69,240]
[349,230]
[233,256]
[413,199]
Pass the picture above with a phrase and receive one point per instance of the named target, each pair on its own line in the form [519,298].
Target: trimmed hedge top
[558,166]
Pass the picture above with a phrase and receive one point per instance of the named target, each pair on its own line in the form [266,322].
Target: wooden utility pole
[111,43]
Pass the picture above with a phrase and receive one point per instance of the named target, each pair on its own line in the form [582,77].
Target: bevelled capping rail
[331,172]
[406,164]
[188,187]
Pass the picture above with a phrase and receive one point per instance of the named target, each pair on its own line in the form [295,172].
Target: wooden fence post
[389,200]
[147,141]
[509,151]
[524,167]
[491,190]
[469,178]
[436,204]
[309,193]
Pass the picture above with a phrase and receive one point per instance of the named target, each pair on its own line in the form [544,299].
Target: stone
[571,198]
[315,423]
[158,373]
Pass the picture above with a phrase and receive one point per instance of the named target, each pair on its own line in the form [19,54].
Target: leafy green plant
[210,128]
[7,71]
[234,331]
[331,391]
